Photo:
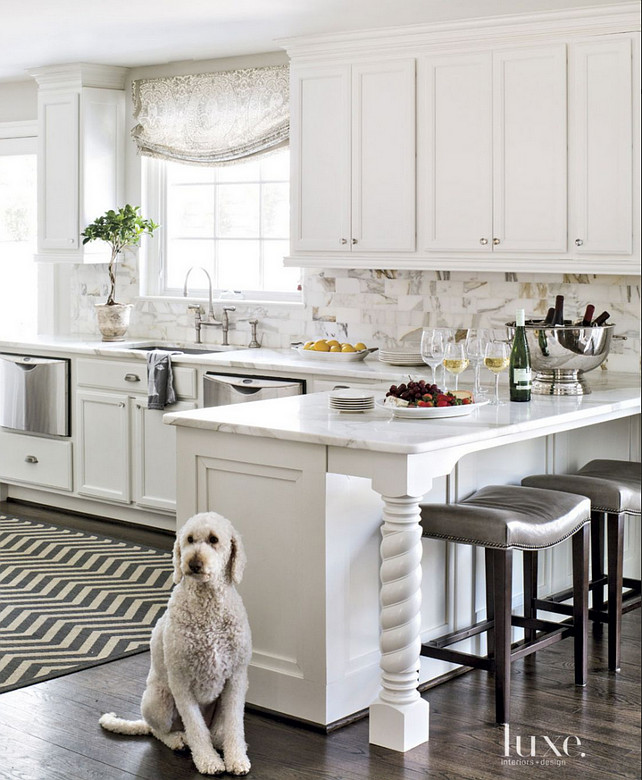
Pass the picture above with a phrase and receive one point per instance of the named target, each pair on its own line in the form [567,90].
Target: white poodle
[200,650]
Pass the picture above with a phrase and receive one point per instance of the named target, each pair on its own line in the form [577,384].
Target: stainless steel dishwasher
[223,389]
[34,394]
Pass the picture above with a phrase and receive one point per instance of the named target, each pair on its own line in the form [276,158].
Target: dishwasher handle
[249,384]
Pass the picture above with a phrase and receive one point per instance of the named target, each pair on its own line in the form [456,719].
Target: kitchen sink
[204,350]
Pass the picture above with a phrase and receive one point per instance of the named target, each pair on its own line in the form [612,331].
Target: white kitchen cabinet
[35,460]
[126,453]
[102,421]
[601,206]
[81,141]
[492,165]
[154,456]
[455,152]
[353,157]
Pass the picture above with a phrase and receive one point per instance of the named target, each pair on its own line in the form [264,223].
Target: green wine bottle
[520,363]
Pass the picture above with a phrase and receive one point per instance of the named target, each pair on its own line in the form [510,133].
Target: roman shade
[213,118]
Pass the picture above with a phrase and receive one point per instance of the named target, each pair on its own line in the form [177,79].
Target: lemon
[347,348]
[360,346]
[333,343]
[321,346]
[308,345]
[335,348]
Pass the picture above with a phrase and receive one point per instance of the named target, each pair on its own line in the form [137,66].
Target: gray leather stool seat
[613,487]
[503,518]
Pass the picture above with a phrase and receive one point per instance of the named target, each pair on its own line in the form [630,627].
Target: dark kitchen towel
[160,381]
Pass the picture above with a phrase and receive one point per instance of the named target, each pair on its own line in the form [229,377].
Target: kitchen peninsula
[312,491]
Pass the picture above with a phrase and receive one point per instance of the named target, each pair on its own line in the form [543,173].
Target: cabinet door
[104,462]
[601,138]
[529,106]
[383,156]
[320,159]
[58,171]
[455,152]
[154,452]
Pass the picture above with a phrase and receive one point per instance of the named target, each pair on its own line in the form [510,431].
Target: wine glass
[476,340]
[455,359]
[496,359]
[438,346]
[426,351]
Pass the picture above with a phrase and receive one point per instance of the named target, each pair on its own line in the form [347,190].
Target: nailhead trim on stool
[613,487]
[501,519]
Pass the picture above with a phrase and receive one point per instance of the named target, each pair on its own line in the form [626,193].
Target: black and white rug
[70,600]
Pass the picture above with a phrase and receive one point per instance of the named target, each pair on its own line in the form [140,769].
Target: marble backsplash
[376,307]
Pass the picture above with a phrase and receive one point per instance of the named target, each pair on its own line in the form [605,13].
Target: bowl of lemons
[331,349]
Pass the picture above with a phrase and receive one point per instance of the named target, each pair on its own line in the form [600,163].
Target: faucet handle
[229,308]
[196,308]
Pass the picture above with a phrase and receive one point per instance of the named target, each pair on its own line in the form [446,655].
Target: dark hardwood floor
[50,731]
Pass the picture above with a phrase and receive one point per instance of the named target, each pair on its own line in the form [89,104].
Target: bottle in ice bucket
[520,363]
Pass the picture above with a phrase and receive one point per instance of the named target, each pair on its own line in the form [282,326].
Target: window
[18,272]
[231,220]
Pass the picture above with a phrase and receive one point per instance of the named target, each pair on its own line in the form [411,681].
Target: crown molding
[601,20]
[78,75]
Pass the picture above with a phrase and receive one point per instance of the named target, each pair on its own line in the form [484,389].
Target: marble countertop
[286,361]
[308,419]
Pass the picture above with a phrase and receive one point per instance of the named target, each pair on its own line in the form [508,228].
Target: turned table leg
[399,716]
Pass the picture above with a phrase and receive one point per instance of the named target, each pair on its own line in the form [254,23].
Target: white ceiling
[133,33]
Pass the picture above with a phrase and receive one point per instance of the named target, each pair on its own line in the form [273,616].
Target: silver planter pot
[561,356]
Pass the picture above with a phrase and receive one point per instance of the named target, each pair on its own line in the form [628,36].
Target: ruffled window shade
[213,118]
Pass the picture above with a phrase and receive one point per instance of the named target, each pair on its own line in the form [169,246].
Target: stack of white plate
[351,400]
[409,356]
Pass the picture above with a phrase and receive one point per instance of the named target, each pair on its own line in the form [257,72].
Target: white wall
[18,101]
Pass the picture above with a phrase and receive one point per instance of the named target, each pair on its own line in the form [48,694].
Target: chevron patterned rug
[70,600]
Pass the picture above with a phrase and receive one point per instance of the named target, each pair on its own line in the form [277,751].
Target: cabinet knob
[354,240]
[495,241]
[344,240]
[483,241]
[31,459]
[72,241]
[122,405]
[132,378]
[578,242]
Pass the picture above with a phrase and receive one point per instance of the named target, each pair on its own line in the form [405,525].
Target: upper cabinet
[602,129]
[353,157]
[492,161]
[526,154]
[81,134]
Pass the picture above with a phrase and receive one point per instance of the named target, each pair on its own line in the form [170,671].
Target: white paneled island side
[328,506]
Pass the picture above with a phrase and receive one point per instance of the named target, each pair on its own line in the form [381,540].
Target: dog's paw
[209,764]
[176,740]
[239,765]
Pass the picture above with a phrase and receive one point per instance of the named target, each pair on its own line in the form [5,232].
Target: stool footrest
[457,657]
[461,634]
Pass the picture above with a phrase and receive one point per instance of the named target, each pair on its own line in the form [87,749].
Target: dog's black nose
[195,565]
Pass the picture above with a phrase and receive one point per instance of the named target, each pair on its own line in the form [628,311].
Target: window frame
[153,254]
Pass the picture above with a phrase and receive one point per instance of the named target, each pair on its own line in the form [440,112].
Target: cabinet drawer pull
[132,378]
[354,241]
[578,242]
[31,459]
[483,241]
[495,241]
[344,240]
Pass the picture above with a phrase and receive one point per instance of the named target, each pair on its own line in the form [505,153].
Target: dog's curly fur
[200,650]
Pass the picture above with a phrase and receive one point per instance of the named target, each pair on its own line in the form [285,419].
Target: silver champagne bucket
[560,356]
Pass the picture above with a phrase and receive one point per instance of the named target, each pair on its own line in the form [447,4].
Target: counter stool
[613,487]
[501,519]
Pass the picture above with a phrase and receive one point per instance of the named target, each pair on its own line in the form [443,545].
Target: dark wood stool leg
[503,598]
[580,603]
[530,591]
[597,566]
[615,540]
[490,608]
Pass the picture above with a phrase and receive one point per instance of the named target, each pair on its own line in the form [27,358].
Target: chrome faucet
[226,322]
[210,320]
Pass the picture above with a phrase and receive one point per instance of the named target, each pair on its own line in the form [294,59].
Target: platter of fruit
[331,349]
[422,400]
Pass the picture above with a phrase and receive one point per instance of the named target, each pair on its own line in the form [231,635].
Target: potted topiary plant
[119,229]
